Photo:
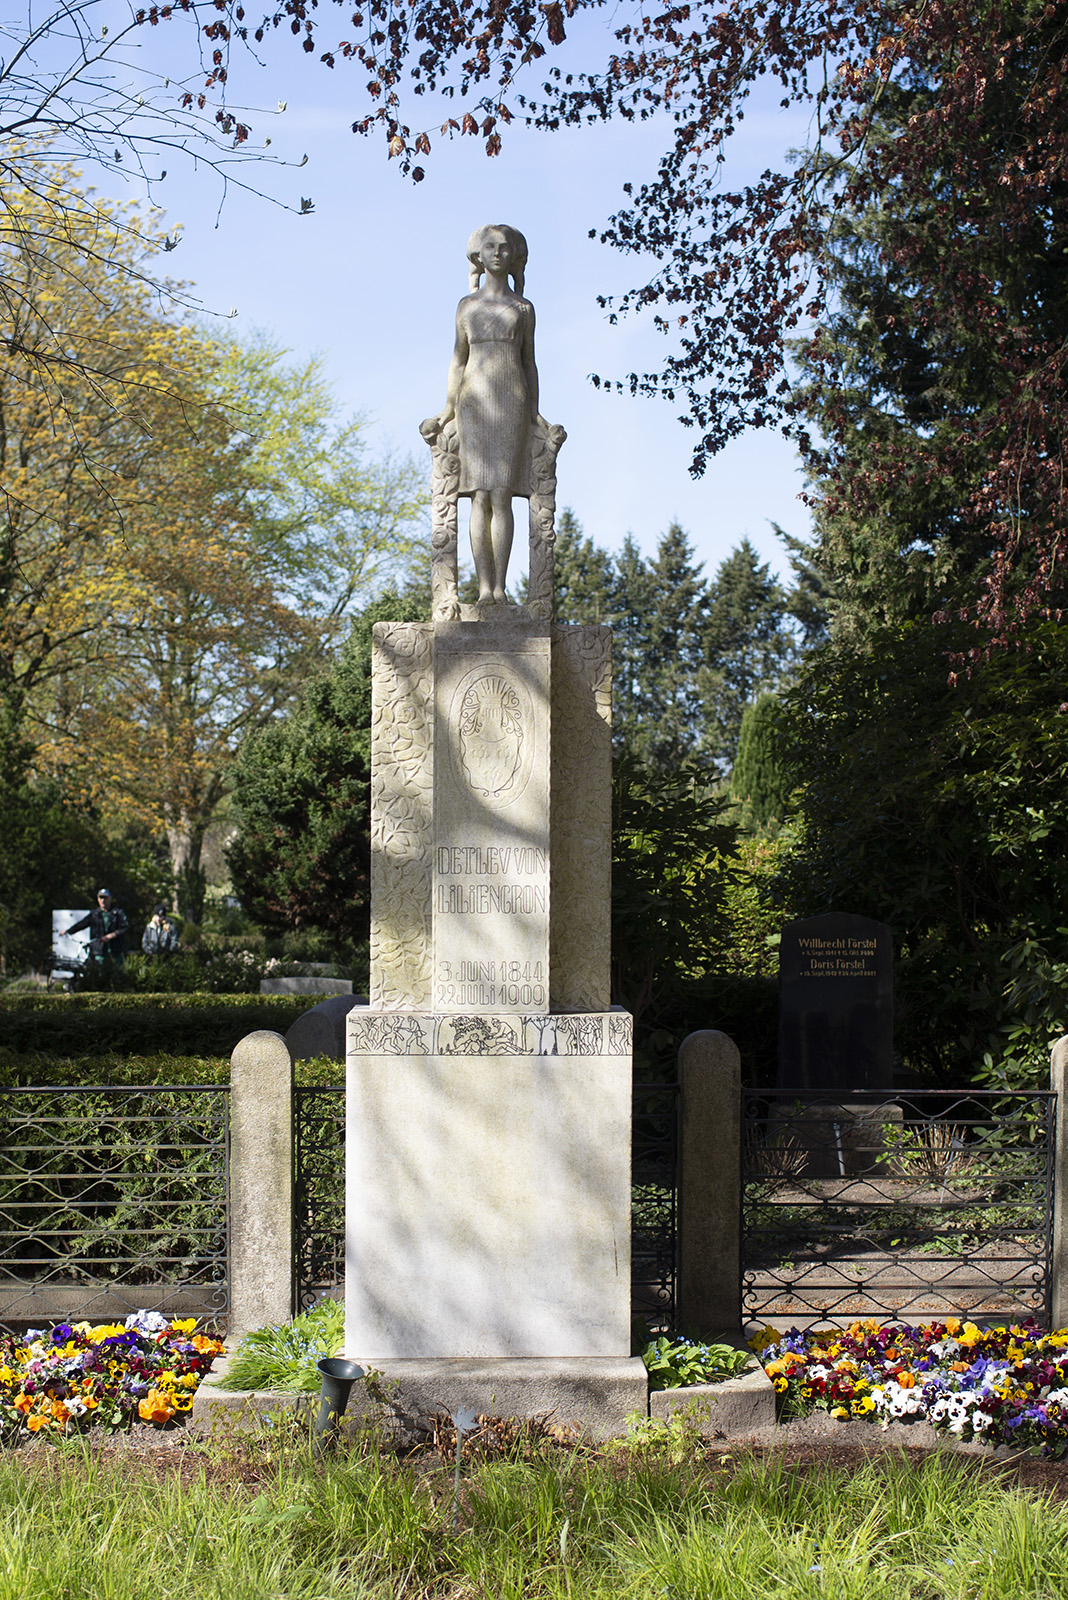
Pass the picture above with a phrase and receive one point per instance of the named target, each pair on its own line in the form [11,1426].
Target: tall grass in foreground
[104,1528]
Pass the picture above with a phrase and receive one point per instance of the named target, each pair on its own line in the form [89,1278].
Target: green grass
[262,1520]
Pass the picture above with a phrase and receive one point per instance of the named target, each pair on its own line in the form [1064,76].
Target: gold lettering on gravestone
[837,958]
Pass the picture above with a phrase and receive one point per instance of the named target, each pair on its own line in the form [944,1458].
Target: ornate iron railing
[319,1198]
[318,1192]
[113,1200]
[896,1207]
[654,1174]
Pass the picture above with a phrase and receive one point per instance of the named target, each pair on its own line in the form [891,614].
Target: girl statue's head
[514,238]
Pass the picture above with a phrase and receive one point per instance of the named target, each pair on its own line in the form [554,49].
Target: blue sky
[371,279]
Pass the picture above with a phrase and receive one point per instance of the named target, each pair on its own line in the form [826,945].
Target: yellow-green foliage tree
[174,565]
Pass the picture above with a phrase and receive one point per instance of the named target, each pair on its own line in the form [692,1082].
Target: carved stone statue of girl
[493,395]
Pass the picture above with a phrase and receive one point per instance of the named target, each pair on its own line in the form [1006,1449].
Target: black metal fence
[319,1198]
[654,1179]
[318,1192]
[113,1200]
[896,1206]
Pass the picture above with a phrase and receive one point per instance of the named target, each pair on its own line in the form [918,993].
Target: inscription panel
[836,1004]
[848,957]
[490,896]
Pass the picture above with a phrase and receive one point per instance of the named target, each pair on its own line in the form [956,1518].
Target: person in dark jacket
[107,926]
[160,937]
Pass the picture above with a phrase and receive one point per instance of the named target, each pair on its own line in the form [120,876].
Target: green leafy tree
[670,641]
[583,574]
[940,810]
[925,487]
[175,563]
[55,852]
[632,603]
[300,855]
[672,860]
[688,656]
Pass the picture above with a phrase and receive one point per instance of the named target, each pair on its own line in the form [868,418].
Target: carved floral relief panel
[402,791]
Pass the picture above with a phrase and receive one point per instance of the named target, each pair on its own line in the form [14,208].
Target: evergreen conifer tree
[761,777]
[583,575]
[751,642]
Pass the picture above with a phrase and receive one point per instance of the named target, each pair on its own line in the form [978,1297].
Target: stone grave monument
[489,1081]
[836,1037]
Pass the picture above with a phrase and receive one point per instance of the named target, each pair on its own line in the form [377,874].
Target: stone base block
[223,1409]
[596,1396]
[487,1186]
[736,1406]
[592,1395]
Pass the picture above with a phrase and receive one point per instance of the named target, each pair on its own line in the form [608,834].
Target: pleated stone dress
[493,408]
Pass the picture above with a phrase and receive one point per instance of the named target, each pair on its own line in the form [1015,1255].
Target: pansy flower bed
[143,1370]
[1004,1385]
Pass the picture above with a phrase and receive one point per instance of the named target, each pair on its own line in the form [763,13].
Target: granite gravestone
[836,1005]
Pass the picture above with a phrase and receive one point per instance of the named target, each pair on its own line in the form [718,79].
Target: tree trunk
[186,842]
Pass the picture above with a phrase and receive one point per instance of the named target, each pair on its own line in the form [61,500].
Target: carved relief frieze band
[620,1033]
[475,1034]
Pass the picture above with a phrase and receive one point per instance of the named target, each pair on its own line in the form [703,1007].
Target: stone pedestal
[488,1124]
[454,861]
[488,1185]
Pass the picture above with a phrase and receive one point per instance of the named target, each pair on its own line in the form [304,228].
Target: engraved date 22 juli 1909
[491,983]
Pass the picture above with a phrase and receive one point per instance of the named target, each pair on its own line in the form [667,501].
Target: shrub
[182,1025]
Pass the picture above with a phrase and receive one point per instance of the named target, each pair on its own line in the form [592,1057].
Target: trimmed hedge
[138,1024]
[35,1069]
[97,1031]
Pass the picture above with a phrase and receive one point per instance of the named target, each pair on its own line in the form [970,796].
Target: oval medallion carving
[493,732]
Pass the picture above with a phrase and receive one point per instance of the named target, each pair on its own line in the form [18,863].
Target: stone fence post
[1058,1082]
[710,1184]
[261,1182]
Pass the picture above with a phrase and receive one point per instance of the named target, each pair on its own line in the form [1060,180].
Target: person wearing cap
[160,937]
[107,926]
